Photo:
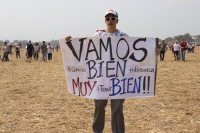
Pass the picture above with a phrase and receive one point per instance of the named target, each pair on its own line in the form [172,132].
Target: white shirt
[49,49]
[36,48]
[193,44]
[104,33]
[176,47]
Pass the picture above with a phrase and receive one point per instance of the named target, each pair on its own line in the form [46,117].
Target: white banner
[110,67]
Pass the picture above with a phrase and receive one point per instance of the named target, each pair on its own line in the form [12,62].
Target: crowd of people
[178,49]
[31,50]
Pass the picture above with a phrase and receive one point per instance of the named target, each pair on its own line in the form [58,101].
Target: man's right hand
[68,38]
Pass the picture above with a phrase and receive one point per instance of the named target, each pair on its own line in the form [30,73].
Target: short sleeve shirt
[30,48]
[50,49]
[183,45]
[43,48]
[176,47]
[104,33]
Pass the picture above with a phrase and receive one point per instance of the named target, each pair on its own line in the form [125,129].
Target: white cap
[111,12]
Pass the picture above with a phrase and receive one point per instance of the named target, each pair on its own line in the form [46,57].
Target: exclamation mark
[144,84]
[148,83]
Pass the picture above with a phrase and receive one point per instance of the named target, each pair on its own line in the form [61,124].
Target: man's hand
[157,51]
[68,38]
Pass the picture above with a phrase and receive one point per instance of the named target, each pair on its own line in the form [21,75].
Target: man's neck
[111,30]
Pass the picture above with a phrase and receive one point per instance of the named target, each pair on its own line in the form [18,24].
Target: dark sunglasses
[112,18]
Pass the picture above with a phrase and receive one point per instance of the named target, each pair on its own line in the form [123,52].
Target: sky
[45,20]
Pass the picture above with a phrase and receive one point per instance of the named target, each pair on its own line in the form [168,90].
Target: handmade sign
[110,67]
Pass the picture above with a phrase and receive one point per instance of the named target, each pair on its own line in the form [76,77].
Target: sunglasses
[113,18]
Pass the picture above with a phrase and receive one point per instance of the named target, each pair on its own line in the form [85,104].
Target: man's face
[111,20]
[163,41]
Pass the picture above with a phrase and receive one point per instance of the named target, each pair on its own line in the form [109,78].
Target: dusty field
[34,99]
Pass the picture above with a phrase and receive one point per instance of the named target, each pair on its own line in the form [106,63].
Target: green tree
[178,38]
[188,37]
[15,41]
[197,38]
[1,42]
[169,39]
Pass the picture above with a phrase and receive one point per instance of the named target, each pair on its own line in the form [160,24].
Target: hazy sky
[39,20]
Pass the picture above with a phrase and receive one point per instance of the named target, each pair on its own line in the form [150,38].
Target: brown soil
[34,99]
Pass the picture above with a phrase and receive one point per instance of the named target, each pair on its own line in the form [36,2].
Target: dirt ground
[34,99]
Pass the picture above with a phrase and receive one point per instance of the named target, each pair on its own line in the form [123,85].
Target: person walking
[183,46]
[36,51]
[49,50]
[17,50]
[163,49]
[10,49]
[44,51]
[56,47]
[0,52]
[30,50]
[6,51]
[176,50]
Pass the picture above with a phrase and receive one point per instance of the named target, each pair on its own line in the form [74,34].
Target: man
[17,50]
[163,49]
[6,50]
[56,47]
[193,46]
[36,51]
[117,119]
[44,50]
[49,50]
[30,50]
[176,50]
[10,49]
[117,122]
[183,46]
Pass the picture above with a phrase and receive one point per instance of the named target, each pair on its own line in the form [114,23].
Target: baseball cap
[111,12]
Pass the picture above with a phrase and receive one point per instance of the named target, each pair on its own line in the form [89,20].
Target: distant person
[172,48]
[30,50]
[10,49]
[179,51]
[36,51]
[193,46]
[17,50]
[56,47]
[189,47]
[6,50]
[183,45]
[163,49]
[26,53]
[43,49]
[0,52]
[49,50]
[176,50]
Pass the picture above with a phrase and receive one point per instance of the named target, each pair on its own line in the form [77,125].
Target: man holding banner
[111,20]
[117,98]
[117,119]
